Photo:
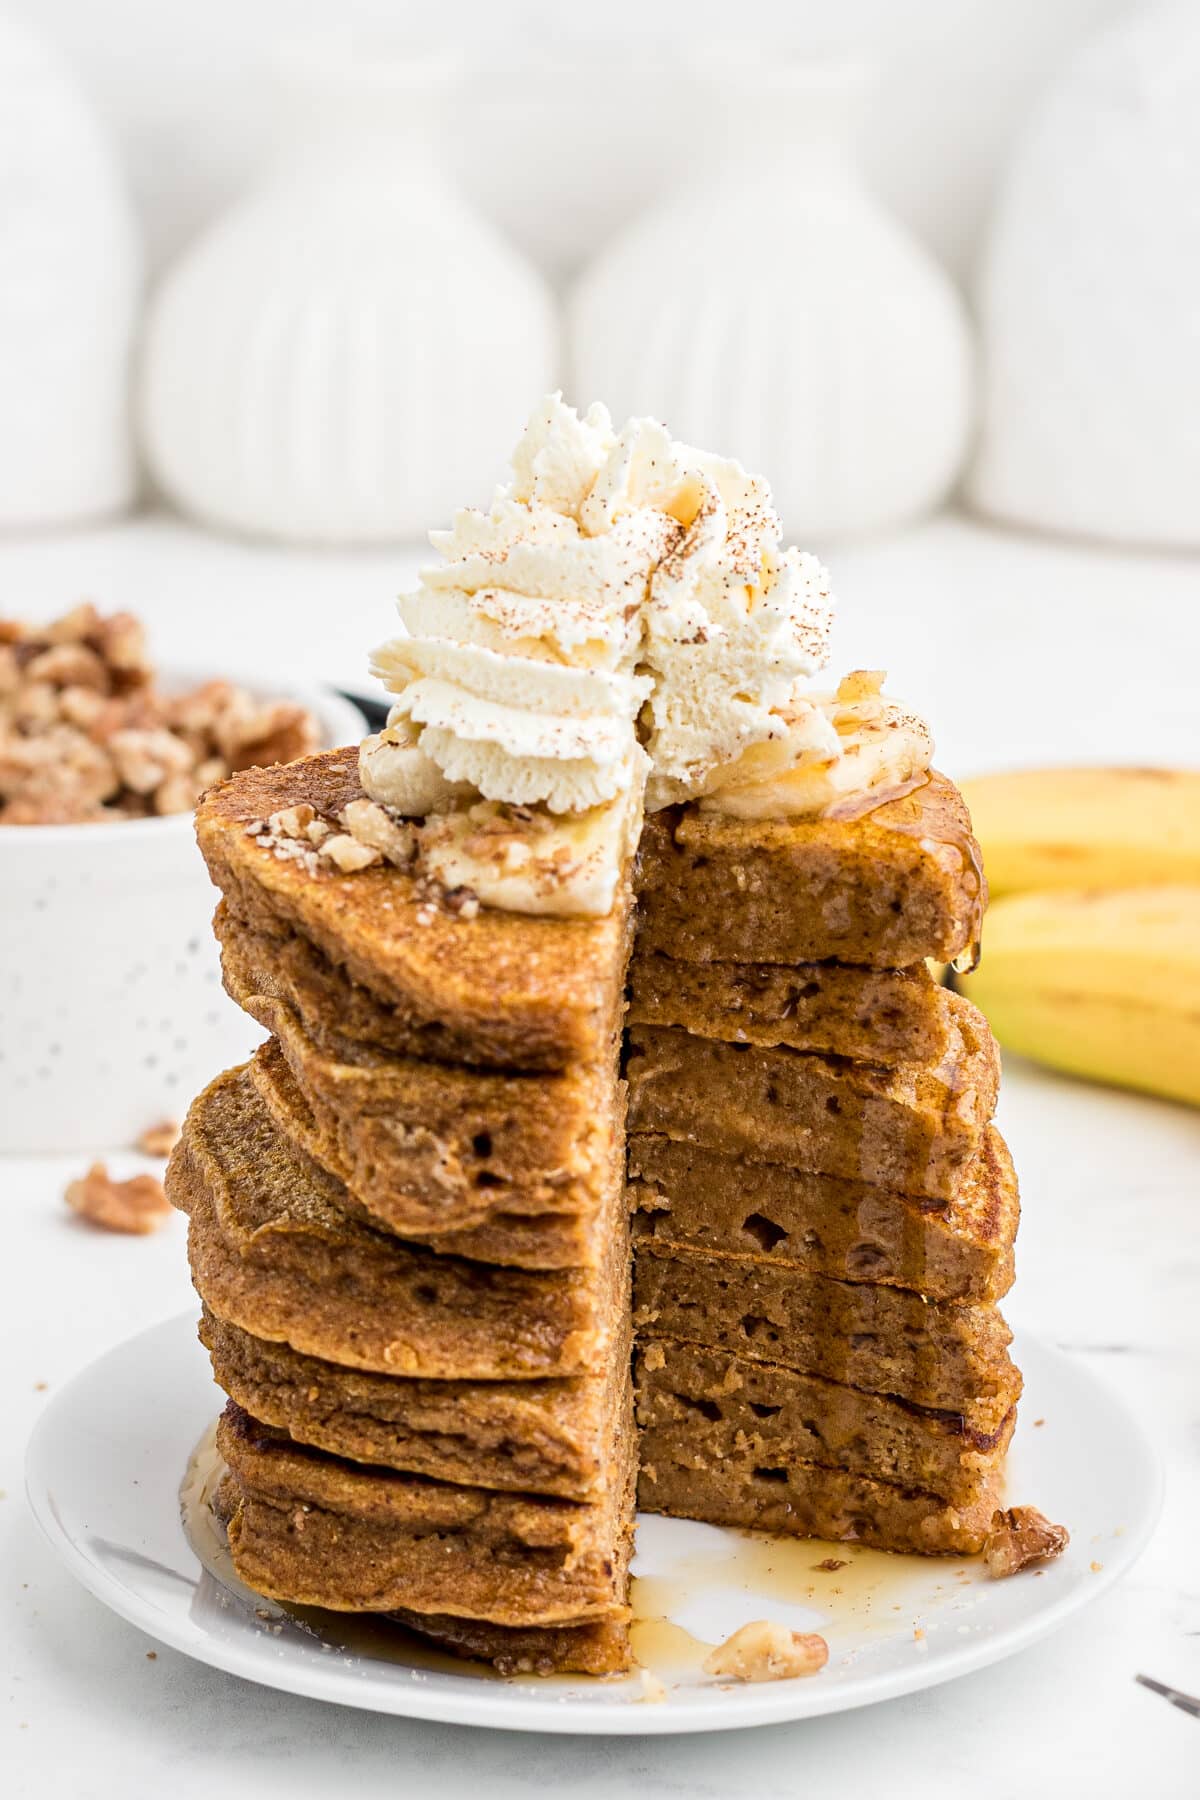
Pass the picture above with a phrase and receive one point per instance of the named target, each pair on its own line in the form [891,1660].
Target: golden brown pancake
[934,1352]
[499,990]
[537,1437]
[274,1250]
[317,1531]
[911,1128]
[689,1198]
[731,1408]
[884,1016]
[888,884]
[808,1500]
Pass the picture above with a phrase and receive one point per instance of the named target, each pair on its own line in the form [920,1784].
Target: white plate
[104,1471]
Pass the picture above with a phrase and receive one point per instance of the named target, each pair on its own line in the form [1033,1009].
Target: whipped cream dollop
[622,625]
[622,612]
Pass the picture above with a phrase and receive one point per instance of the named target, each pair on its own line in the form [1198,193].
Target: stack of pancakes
[825,1214]
[409,1214]
[408,1229]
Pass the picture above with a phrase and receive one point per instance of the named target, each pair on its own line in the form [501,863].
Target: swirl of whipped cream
[622,611]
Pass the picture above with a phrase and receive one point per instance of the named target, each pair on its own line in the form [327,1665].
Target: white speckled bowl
[112,1014]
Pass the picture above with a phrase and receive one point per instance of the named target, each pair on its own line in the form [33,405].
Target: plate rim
[491,1707]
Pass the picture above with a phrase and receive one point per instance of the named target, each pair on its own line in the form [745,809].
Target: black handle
[375,712]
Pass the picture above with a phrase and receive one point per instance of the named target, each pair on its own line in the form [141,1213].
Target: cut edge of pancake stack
[414,1273]
[825,1213]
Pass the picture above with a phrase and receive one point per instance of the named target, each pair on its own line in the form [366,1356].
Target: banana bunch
[1092,943]
[1087,828]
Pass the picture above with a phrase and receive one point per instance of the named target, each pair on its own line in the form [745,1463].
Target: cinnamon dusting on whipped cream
[621,627]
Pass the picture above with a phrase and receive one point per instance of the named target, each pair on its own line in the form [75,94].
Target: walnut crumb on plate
[1021,1535]
[765,1651]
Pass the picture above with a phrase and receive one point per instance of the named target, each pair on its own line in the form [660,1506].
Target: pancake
[808,1500]
[575,1239]
[274,1251]
[313,1530]
[576,1647]
[427,1148]
[886,1016]
[409,1214]
[911,1129]
[538,1437]
[889,883]
[884,1339]
[497,990]
[688,1198]
[731,1409]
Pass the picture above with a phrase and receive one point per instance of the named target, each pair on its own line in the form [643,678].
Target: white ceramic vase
[1088,301]
[338,357]
[772,308]
[70,285]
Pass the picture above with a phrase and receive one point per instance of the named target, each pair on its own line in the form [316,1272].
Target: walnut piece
[121,641]
[138,1205]
[1020,1535]
[250,733]
[370,824]
[85,735]
[292,821]
[144,759]
[68,665]
[348,854]
[461,901]
[765,1651]
[160,1139]
[178,793]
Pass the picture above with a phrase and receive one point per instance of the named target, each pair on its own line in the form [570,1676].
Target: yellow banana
[1105,985]
[1087,828]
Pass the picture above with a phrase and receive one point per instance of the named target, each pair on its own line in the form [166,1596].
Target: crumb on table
[138,1205]
[160,1139]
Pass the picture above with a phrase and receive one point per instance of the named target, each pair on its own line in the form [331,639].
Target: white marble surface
[1019,651]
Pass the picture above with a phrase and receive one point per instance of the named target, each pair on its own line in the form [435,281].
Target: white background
[574,114]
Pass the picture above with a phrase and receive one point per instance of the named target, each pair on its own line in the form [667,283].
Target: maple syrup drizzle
[846,1587]
[197,1491]
[950,835]
[658,1643]
[857,806]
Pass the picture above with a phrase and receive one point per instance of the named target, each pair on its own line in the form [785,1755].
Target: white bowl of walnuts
[113,1014]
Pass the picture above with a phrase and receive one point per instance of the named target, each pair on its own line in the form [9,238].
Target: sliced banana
[526,860]
[834,746]
[396,773]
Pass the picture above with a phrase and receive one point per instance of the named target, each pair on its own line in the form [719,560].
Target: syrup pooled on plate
[725,1578]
